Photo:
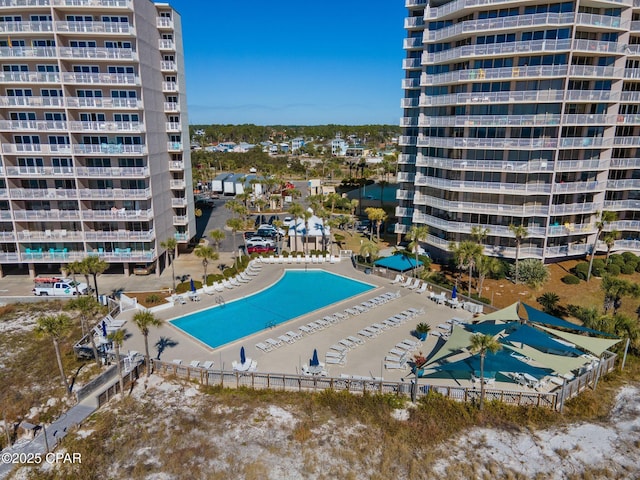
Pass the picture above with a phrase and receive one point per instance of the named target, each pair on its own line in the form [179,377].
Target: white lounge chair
[294,335]
[339,348]
[234,281]
[396,280]
[390,323]
[208,365]
[393,366]
[335,361]
[415,285]
[366,333]
[356,340]
[180,299]
[407,283]
[422,289]
[286,338]
[227,284]
[322,322]
[397,351]
[253,366]
[264,347]
[306,329]
[195,364]
[346,343]
[379,326]
[273,343]
[177,361]
[334,354]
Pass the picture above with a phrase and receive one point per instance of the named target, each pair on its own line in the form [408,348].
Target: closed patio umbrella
[104,328]
[193,286]
[454,292]
[314,362]
[243,357]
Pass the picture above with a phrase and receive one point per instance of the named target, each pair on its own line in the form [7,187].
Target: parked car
[249,234]
[144,268]
[266,226]
[260,249]
[288,222]
[253,241]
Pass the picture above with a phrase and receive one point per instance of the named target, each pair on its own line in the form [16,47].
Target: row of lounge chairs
[410,283]
[272,343]
[394,321]
[108,324]
[337,353]
[291,259]
[398,355]
[208,365]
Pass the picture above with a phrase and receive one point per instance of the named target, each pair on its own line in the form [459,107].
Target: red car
[260,249]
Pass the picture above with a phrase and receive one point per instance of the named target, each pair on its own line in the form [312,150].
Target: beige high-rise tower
[94,137]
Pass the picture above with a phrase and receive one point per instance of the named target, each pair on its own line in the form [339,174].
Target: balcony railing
[32,102]
[622,204]
[404,194]
[53,214]
[533,165]
[45,171]
[119,235]
[169,87]
[177,184]
[543,71]
[166,45]
[102,78]
[112,172]
[101,193]
[108,149]
[93,3]
[131,127]
[569,208]
[49,235]
[459,185]
[176,165]
[173,126]
[171,107]
[40,193]
[570,229]
[413,22]
[168,66]
[178,202]
[95,27]
[180,219]
[581,165]
[164,22]
[117,214]
[98,53]
[174,146]
[488,143]
[28,52]
[631,183]
[32,125]
[30,77]
[574,187]
[117,103]
[473,207]
[530,96]
[181,237]
[20,27]
[39,148]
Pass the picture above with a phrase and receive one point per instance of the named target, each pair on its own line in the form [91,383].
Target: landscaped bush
[571,280]
[628,268]
[638,267]
[532,272]
[153,299]
[186,286]
[630,257]
[598,267]
[613,269]
[581,270]
[616,259]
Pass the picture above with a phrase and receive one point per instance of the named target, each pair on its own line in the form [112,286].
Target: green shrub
[532,272]
[598,267]
[571,280]
[613,269]
[485,300]
[630,257]
[628,268]
[581,270]
[153,299]
[186,286]
[616,259]
[638,267]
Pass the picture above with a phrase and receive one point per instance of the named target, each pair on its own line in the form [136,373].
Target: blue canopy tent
[398,262]
[536,316]
[544,342]
[501,361]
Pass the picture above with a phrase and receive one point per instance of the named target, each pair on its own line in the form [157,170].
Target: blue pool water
[296,293]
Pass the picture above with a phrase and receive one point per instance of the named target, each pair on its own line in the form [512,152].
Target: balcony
[500,120]
[93,3]
[104,103]
[39,148]
[49,236]
[98,53]
[181,237]
[404,194]
[176,166]
[40,171]
[54,214]
[488,187]
[119,236]
[42,193]
[588,20]
[108,149]
[586,142]
[406,141]
[178,202]
[488,143]
[28,52]
[413,42]
[571,208]
[119,127]
[114,193]
[530,96]
[406,159]
[173,127]
[32,102]
[406,177]
[409,63]
[117,172]
[118,214]
[575,187]
[171,107]
[177,184]
[101,79]
[7,237]
[411,23]
[410,83]
[166,45]
[525,210]
[570,229]
[169,87]
[164,23]
[506,73]
[126,255]
[29,77]
[168,66]
[631,183]
[20,27]
[180,220]
[95,27]
[579,249]
[581,165]
[404,212]
[533,165]
[32,125]
[174,146]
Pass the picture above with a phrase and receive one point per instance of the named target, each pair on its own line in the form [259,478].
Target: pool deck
[363,360]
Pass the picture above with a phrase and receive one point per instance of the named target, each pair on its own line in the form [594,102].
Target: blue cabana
[536,316]
[533,337]
[398,262]
[501,361]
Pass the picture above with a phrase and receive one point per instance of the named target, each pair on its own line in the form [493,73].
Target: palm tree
[482,344]
[369,249]
[144,320]
[170,245]
[605,218]
[207,254]
[306,214]
[520,232]
[236,225]
[479,234]
[377,216]
[417,234]
[117,338]
[94,266]
[467,253]
[296,211]
[486,265]
[88,307]
[56,327]
[74,268]
[333,198]
[610,239]
[549,302]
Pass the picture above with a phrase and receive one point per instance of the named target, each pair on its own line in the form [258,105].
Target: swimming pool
[296,293]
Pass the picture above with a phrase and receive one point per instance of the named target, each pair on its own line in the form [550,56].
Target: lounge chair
[306,329]
[373,329]
[208,365]
[322,322]
[379,326]
[366,333]
[330,319]
[243,277]
[177,361]
[315,326]
[356,340]
[396,280]
[218,287]
[397,351]
[393,366]
[407,283]
[335,361]
[340,316]
[334,354]
[264,347]
[395,358]
[390,323]
[294,335]
[422,289]
[227,284]
[253,366]
[339,348]
[351,311]
[194,297]
[234,281]
[273,343]
[195,364]
[346,343]
[286,338]
[415,285]
[180,299]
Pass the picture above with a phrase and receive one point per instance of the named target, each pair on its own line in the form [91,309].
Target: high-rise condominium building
[93,132]
[522,113]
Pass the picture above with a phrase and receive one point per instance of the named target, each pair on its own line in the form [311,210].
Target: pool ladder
[220,300]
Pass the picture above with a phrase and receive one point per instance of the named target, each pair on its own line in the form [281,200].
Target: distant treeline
[371,134]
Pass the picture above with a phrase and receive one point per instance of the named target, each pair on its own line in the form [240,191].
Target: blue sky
[293,62]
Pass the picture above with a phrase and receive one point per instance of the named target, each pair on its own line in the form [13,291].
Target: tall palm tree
[296,211]
[369,249]
[466,254]
[117,338]
[486,265]
[88,307]
[376,216]
[170,245]
[236,225]
[333,198]
[74,268]
[306,214]
[479,234]
[482,344]
[207,254]
[55,327]
[605,217]
[94,266]
[610,240]
[520,232]
[415,235]
[144,320]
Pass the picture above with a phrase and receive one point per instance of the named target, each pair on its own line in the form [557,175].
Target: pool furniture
[356,340]
[415,285]
[396,280]
[208,364]
[346,343]
[264,347]
[273,343]
[194,363]
[294,335]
